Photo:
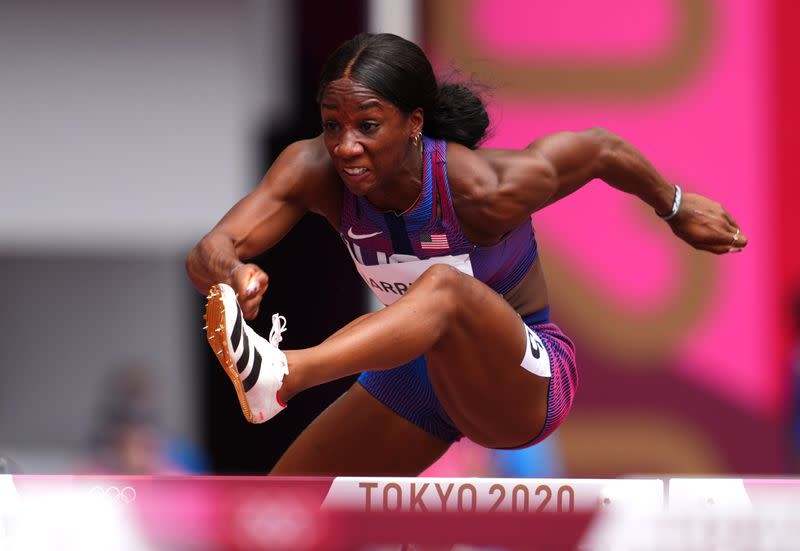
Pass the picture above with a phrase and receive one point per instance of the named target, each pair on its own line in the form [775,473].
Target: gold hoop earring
[416,138]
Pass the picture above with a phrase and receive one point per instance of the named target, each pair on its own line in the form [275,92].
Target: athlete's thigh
[476,372]
[358,435]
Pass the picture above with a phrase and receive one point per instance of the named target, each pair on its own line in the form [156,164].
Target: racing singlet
[391,251]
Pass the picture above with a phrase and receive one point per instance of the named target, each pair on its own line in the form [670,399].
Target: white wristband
[676,205]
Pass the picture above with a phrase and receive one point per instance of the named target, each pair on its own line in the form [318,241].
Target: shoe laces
[278,327]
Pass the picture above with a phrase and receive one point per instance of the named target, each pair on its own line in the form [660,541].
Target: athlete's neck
[402,192]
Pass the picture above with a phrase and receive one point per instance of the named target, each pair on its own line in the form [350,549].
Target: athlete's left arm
[556,165]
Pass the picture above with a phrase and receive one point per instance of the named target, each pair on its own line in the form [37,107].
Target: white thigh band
[536,359]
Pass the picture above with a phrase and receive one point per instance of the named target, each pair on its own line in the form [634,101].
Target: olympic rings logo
[124,495]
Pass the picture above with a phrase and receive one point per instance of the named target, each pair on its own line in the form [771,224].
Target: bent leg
[473,341]
[350,325]
[357,435]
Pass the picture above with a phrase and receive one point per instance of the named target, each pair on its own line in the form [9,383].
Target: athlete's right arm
[253,225]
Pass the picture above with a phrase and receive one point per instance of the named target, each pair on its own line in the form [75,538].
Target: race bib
[391,281]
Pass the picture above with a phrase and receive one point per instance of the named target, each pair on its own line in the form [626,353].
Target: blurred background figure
[128,436]
[9,466]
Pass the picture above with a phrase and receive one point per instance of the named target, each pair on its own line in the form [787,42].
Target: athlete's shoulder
[304,171]
[488,186]
[307,159]
[470,174]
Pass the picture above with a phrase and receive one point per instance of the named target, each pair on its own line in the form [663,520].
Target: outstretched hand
[250,283]
[706,225]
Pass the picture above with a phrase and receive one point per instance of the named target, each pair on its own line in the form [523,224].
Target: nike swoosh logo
[352,235]
[534,351]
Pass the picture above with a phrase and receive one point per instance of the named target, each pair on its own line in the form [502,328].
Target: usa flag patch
[433,241]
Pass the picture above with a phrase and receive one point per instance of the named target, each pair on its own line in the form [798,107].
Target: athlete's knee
[445,286]
[442,285]
[441,277]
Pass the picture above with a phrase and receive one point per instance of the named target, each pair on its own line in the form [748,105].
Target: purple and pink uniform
[391,251]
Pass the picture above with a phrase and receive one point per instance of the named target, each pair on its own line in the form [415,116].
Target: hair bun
[459,115]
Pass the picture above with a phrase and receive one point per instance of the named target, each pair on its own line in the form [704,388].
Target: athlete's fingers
[251,313]
[250,307]
[735,247]
[252,287]
[251,303]
[258,284]
[249,281]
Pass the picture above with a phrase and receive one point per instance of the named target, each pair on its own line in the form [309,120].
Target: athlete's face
[368,138]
